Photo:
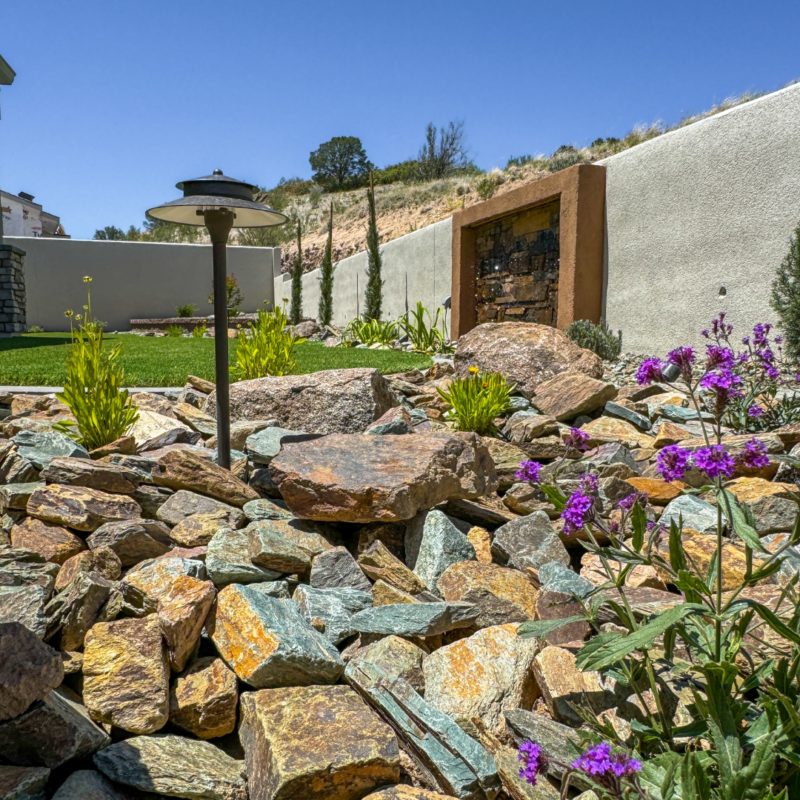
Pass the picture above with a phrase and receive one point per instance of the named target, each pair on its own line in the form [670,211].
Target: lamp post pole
[219,223]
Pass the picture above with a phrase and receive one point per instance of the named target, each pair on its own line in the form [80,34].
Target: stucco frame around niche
[581,191]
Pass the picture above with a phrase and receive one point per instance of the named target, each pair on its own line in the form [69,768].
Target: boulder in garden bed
[336,568]
[25,604]
[92,475]
[330,401]
[53,542]
[79,508]
[270,549]
[264,445]
[569,394]
[378,563]
[367,478]
[228,560]
[133,540]
[198,529]
[529,542]
[183,504]
[204,698]
[415,619]
[333,608]
[15,496]
[526,353]
[41,447]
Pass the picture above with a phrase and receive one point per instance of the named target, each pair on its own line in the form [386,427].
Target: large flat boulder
[315,743]
[79,508]
[572,393]
[331,401]
[351,478]
[53,542]
[92,474]
[526,353]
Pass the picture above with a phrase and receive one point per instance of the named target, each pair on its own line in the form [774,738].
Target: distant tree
[326,279]
[296,309]
[448,155]
[340,163]
[373,299]
[111,233]
[786,296]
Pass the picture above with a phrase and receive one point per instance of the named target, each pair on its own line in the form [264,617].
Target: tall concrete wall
[698,220]
[417,266]
[133,280]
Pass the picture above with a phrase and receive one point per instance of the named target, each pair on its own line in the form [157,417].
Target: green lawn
[39,359]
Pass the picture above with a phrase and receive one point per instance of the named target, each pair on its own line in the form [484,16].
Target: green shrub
[233,294]
[425,334]
[175,331]
[266,347]
[370,331]
[486,187]
[185,311]
[93,387]
[600,339]
[36,329]
[373,297]
[786,296]
[404,172]
[477,400]
[200,331]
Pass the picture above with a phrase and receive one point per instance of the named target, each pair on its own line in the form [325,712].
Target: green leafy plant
[373,300]
[340,163]
[486,187]
[478,400]
[296,309]
[200,331]
[266,347]
[598,338]
[175,331]
[93,388]
[369,332]
[233,295]
[35,329]
[426,334]
[786,296]
[326,278]
[185,311]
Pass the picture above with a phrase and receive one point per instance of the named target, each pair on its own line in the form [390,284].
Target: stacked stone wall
[12,290]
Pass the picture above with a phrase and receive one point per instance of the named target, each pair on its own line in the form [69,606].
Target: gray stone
[228,560]
[398,658]
[555,577]
[257,510]
[25,604]
[433,543]
[336,568]
[41,447]
[25,572]
[395,422]
[528,542]
[457,763]
[174,766]
[415,619]
[91,474]
[263,446]
[51,732]
[185,504]
[141,465]
[695,513]
[86,784]
[270,549]
[279,589]
[150,499]
[612,453]
[268,643]
[613,409]
[334,608]
[16,495]
[73,611]
[23,783]
[677,414]
[16,469]
[133,540]
[29,669]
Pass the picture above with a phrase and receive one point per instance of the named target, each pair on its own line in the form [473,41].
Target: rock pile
[336,617]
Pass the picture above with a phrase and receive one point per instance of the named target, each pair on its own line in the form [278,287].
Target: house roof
[7,74]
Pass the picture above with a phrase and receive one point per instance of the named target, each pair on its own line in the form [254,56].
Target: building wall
[416,266]
[133,280]
[20,218]
[698,220]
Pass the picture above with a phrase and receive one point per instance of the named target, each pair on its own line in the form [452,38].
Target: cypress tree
[786,296]
[374,294]
[296,308]
[326,279]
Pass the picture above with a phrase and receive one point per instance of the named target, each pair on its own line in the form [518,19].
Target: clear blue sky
[115,102]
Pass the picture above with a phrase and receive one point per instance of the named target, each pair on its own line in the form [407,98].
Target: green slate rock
[555,577]
[23,783]
[41,447]
[333,607]
[257,510]
[528,542]
[433,544]
[263,446]
[270,549]
[415,619]
[228,560]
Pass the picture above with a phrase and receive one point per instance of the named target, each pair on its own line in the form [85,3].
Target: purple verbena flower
[721,379]
[627,503]
[754,455]
[705,333]
[589,485]
[745,340]
[719,357]
[533,761]
[529,471]
[755,412]
[683,358]
[599,762]
[672,462]
[779,340]
[720,328]
[576,440]
[715,461]
[576,512]
[649,372]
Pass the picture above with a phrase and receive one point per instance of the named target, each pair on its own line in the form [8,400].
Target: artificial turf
[39,359]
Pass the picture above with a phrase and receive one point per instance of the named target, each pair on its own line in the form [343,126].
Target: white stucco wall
[133,280]
[706,208]
[416,266]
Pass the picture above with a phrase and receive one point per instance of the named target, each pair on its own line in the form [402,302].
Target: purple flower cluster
[672,462]
[599,762]
[650,371]
[529,471]
[589,485]
[533,762]
[720,329]
[683,358]
[576,440]
[576,512]
[627,503]
[755,412]
[717,356]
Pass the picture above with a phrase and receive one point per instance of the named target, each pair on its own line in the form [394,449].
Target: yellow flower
[473,370]
[485,385]
[87,279]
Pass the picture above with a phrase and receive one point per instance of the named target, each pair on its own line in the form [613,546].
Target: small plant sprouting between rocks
[199,332]
[93,387]
[175,331]
[369,332]
[600,339]
[477,401]
[185,311]
[426,334]
[266,347]
[738,658]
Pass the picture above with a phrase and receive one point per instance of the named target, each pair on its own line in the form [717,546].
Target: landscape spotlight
[219,203]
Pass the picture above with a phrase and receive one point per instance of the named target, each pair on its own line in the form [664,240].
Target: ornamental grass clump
[735,654]
[369,332]
[266,347]
[477,401]
[427,333]
[93,387]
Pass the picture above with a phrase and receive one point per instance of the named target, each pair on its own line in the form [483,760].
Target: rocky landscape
[336,618]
